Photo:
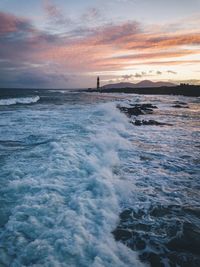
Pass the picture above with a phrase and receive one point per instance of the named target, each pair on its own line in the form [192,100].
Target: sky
[68,43]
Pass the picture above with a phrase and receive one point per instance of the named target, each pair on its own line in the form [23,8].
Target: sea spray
[66,200]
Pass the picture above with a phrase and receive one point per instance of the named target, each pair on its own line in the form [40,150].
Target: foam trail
[20,100]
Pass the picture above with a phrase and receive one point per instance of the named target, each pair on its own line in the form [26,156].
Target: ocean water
[82,186]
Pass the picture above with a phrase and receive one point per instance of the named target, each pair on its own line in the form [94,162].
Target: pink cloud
[13,24]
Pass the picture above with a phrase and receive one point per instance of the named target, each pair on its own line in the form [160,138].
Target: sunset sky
[66,44]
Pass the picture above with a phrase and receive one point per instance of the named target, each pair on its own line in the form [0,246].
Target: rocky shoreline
[134,110]
[185,90]
[178,248]
[138,229]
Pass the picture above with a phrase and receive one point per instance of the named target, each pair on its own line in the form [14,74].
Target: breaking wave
[19,100]
[66,199]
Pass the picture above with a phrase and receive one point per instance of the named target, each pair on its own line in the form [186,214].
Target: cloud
[55,15]
[144,74]
[170,62]
[172,72]
[136,75]
[153,41]
[91,14]
[11,24]
[155,54]
[31,77]
[158,72]
[114,34]
[106,48]
[127,77]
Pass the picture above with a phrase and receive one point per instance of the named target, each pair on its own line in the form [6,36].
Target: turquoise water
[70,163]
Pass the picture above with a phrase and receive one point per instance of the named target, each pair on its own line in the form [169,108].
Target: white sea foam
[19,100]
[67,203]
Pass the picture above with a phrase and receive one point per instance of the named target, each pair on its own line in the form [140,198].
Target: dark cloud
[158,72]
[127,77]
[138,75]
[141,74]
[172,72]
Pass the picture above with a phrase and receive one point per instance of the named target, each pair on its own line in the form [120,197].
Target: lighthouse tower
[98,83]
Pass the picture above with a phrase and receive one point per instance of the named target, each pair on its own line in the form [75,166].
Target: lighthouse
[98,83]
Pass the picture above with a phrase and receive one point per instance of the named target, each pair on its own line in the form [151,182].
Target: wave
[19,100]
[67,203]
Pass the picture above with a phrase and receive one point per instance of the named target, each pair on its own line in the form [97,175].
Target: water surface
[74,173]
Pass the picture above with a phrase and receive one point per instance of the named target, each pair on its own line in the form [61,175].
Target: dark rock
[183,260]
[180,103]
[150,122]
[155,234]
[188,241]
[126,214]
[122,234]
[146,106]
[179,106]
[138,109]
[138,122]
[131,111]
[155,260]
[140,244]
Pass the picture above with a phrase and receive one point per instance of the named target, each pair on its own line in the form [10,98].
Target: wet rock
[150,122]
[136,110]
[140,244]
[188,241]
[126,214]
[180,103]
[122,234]
[145,158]
[131,111]
[145,106]
[155,260]
[180,106]
[160,236]
[138,123]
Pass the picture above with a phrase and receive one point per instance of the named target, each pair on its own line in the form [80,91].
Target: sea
[82,186]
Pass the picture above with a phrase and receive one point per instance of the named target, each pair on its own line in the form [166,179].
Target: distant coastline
[183,89]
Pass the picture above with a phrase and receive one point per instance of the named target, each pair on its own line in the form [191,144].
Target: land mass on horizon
[151,88]
[141,84]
